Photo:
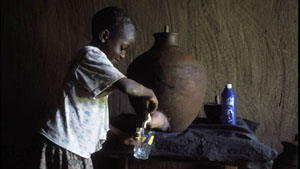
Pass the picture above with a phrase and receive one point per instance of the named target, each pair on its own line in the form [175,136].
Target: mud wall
[251,44]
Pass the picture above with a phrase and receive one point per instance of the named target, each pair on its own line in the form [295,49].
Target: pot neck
[165,39]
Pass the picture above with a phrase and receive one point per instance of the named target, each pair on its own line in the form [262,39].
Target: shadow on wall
[23,94]
[22,105]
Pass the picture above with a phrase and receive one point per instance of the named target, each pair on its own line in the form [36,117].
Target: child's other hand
[123,139]
[129,140]
[118,137]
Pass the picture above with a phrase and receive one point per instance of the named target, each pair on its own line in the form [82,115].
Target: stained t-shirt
[81,120]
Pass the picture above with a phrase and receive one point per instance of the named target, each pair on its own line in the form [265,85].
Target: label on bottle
[230,101]
[228,107]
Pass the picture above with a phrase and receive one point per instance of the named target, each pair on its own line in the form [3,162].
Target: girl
[79,125]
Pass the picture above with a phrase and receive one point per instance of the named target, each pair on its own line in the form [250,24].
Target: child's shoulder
[91,51]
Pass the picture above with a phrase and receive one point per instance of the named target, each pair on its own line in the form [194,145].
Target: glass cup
[143,143]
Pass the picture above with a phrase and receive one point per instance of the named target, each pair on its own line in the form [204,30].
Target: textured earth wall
[249,43]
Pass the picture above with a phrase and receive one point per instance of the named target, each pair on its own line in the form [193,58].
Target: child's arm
[117,136]
[133,88]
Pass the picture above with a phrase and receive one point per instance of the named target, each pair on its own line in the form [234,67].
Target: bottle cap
[229,86]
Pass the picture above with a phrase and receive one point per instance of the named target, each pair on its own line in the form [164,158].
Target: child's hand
[151,104]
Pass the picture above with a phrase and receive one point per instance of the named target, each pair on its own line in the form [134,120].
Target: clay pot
[176,77]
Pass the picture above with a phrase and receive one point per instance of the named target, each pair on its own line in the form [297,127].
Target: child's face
[117,46]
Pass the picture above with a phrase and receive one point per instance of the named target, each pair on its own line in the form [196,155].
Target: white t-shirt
[81,120]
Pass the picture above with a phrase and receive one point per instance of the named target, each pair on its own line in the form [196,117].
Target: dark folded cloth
[203,140]
[216,142]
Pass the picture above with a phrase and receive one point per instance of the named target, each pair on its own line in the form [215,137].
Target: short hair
[111,18]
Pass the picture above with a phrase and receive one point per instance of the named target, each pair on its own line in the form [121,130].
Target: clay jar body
[176,77]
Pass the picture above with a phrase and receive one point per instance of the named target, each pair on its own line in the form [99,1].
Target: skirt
[52,156]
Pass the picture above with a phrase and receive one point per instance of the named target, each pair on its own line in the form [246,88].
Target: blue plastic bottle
[228,102]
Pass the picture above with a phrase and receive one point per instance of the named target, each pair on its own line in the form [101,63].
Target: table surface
[126,151]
